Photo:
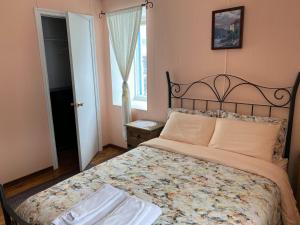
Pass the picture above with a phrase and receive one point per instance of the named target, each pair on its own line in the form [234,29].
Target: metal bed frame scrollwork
[274,97]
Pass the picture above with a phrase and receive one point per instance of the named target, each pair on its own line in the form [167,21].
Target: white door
[80,32]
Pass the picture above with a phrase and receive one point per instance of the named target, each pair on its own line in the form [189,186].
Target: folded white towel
[133,211]
[110,206]
[93,208]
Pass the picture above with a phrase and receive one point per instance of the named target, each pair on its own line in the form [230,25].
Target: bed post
[291,117]
[169,90]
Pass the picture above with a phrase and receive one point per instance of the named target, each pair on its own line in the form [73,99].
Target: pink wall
[179,41]
[24,134]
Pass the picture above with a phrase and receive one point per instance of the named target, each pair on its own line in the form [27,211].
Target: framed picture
[227,28]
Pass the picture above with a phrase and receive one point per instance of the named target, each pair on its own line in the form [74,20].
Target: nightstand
[142,130]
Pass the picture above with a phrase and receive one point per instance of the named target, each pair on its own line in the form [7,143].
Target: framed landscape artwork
[227,28]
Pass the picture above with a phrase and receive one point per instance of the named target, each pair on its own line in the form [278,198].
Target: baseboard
[35,174]
[21,180]
[115,146]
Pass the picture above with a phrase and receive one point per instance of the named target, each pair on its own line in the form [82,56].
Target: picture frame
[227,28]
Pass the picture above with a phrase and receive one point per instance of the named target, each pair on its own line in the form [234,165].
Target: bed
[190,184]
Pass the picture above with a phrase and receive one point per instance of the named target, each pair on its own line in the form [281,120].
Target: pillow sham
[187,128]
[209,113]
[279,147]
[282,163]
[244,137]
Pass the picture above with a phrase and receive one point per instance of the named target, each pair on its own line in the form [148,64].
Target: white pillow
[192,129]
[247,138]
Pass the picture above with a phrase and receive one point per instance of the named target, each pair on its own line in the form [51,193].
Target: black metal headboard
[274,97]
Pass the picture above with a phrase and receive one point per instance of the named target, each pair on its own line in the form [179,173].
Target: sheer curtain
[123,26]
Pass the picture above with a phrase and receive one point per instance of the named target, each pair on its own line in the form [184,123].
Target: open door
[80,34]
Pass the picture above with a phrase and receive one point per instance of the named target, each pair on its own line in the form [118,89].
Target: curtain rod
[147,4]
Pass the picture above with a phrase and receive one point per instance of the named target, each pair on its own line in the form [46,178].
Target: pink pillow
[247,138]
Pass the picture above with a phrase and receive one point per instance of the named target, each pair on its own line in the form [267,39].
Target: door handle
[77,104]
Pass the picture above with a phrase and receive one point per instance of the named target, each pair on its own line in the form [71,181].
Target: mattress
[188,190]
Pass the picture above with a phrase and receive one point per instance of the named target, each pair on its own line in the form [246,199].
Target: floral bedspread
[188,190]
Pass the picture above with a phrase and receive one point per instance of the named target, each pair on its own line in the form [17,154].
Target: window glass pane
[141,62]
[144,60]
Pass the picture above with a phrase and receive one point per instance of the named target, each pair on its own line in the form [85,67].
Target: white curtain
[124,26]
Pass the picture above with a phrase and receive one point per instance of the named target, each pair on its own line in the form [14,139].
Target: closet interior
[61,90]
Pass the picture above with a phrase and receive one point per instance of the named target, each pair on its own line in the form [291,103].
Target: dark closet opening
[61,91]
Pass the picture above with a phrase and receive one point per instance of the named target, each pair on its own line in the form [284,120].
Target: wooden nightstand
[142,130]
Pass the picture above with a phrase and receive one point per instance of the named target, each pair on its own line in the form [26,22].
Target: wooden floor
[24,184]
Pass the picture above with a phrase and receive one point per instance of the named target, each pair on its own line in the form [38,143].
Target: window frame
[137,101]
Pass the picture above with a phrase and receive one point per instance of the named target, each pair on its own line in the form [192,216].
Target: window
[140,64]
[138,75]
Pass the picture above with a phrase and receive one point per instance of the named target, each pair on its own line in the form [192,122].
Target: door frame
[39,12]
